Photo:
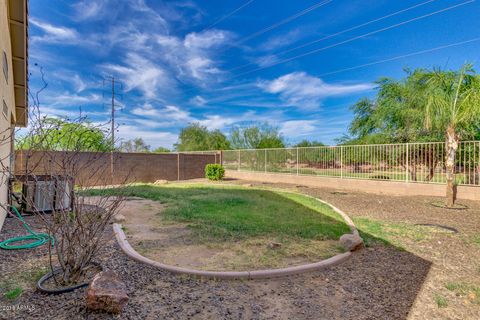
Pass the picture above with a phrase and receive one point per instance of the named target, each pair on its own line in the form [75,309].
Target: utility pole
[113,97]
[113,105]
[113,111]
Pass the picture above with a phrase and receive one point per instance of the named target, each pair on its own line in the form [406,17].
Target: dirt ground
[433,278]
[454,258]
[173,243]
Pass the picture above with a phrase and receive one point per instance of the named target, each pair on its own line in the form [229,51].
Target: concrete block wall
[394,188]
[117,168]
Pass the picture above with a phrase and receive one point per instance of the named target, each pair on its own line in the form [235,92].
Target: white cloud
[53,33]
[170,113]
[171,116]
[192,56]
[70,113]
[296,128]
[176,114]
[147,110]
[266,60]
[305,91]
[140,73]
[168,42]
[107,9]
[155,62]
[282,40]
[206,39]
[69,99]
[221,121]
[200,67]
[148,12]
[89,9]
[198,101]
[76,82]
[213,122]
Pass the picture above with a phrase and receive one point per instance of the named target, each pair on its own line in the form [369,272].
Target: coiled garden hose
[38,238]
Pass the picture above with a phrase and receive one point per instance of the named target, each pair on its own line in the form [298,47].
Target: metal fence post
[478,167]
[341,162]
[238,169]
[265,160]
[406,163]
[297,162]
[178,166]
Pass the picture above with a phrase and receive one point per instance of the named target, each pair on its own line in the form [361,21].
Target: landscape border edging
[256,274]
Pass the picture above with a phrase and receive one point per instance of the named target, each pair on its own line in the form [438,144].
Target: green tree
[452,106]
[307,143]
[426,105]
[160,150]
[218,141]
[395,115]
[257,136]
[60,135]
[196,137]
[134,145]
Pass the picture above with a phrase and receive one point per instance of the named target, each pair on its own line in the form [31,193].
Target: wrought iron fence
[409,162]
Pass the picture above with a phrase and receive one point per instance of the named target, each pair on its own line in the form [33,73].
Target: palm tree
[452,102]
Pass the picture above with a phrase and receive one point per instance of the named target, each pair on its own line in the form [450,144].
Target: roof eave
[18,20]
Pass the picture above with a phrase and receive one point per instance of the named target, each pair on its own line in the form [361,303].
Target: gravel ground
[376,283]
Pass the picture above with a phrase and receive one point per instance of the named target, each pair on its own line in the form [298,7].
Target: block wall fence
[116,167]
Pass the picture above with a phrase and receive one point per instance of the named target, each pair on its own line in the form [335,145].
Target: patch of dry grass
[469,291]
[262,252]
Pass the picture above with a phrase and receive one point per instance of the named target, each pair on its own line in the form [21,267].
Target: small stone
[247,185]
[118,218]
[274,245]
[107,293]
[351,242]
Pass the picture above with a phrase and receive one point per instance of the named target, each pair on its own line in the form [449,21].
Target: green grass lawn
[230,213]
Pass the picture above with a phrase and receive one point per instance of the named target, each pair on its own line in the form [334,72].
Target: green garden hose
[39,238]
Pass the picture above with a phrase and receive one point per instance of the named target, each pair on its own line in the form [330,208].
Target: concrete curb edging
[257,274]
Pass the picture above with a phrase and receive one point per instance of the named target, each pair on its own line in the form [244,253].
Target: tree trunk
[451,151]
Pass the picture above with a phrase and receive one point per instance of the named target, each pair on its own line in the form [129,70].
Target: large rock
[106,293]
[351,242]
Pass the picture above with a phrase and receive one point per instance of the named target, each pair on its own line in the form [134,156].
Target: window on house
[5,109]
[5,66]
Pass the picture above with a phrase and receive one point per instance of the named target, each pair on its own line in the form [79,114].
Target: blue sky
[230,63]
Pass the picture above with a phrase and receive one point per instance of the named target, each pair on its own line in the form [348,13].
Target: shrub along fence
[408,162]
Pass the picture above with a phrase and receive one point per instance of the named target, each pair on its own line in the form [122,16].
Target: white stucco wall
[7,95]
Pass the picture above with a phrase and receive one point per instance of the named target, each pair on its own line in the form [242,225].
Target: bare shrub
[54,160]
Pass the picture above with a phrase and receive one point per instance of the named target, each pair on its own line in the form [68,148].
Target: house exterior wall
[7,108]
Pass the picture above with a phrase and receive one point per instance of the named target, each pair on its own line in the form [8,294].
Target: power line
[354,38]
[284,21]
[341,32]
[416,53]
[229,14]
